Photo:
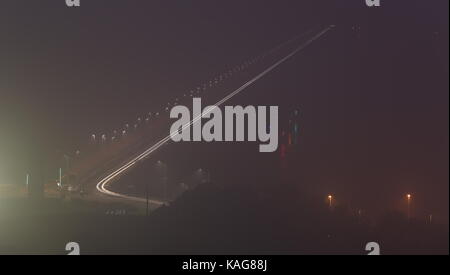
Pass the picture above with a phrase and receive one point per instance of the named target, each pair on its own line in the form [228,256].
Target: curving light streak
[102,184]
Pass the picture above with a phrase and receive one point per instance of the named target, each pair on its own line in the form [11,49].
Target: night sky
[65,73]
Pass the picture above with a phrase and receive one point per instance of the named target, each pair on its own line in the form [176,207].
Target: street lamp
[60,176]
[28,184]
[330,200]
[408,197]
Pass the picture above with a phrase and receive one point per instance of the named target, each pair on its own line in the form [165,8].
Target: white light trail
[102,184]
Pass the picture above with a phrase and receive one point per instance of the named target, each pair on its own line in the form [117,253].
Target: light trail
[102,184]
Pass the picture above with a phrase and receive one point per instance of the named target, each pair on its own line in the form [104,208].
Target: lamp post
[408,197]
[60,176]
[330,200]
[28,184]
[146,198]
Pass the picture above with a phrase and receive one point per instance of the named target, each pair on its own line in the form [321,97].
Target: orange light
[408,196]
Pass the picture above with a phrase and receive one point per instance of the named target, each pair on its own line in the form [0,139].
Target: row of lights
[122,133]
[330,199]
[216,81]
[192,93]
[203,87]
[408,198]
